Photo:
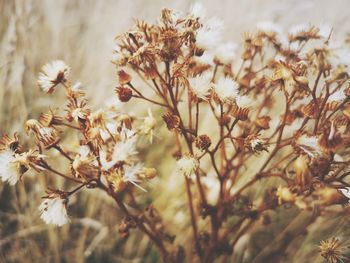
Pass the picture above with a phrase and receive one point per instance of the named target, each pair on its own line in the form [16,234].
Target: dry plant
[251,135]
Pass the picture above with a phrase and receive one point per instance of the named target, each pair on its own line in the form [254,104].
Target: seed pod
[124,78]
[171,120]
[240,113]
[124,94]
[203,142]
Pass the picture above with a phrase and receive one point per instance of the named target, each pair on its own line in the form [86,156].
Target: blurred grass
[81,32]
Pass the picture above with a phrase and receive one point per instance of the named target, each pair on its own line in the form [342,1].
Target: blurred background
[81,32]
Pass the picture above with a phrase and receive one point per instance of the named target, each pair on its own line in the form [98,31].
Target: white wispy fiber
[201,84]
[131,175]
[9,168]
[52,74]
[226,89]
[53,211]
[187,165]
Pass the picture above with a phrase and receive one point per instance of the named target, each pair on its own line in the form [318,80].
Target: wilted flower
[85,164]
[8,143]
[124,151]
[53,74]
[148,125]
[131,175]
[332,250]
[187,164]
[171,120]
[124,94]
[9,168]
[257,145]
[77,111]
[48,136]
[53,210]
[203,142]
[283,91]
[50,119]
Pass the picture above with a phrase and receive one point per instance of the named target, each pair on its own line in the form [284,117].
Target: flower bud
[123,77]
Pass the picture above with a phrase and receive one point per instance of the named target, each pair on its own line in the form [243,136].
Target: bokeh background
[81,32]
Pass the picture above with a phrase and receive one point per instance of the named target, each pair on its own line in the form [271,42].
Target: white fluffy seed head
[187,165]
[52,74]
[53,211]
[200,85]
[226,89]
[9,168]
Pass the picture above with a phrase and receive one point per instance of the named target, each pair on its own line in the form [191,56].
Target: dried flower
[48,136]
[148,125]
[53,74]
[84,164]
[287,93]
[124,151]
[124,77]
[124,94]
[332,250]
[257,145]
[240,113]
[77,111]
[203,142]
[187,164]
[50,119]
[171,120]
[53,210]
[9,168]
[8,143]
[120,177]
[116,180]
[131,175]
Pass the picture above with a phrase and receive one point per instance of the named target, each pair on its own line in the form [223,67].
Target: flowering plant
[252,134]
